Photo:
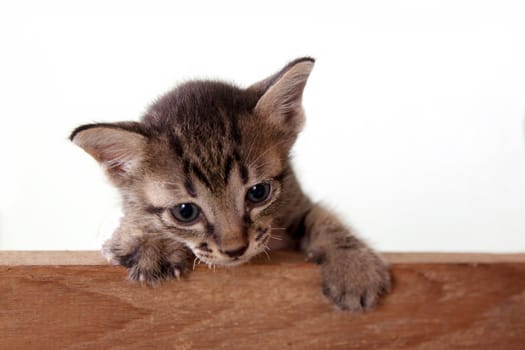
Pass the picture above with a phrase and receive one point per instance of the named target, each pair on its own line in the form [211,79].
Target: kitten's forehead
[210,131]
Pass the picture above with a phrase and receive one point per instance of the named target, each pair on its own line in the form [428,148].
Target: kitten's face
[207,163]
[213,191]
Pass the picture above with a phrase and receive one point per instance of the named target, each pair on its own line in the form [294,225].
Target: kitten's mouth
[219,262]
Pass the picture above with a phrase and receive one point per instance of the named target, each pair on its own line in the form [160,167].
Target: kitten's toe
[137,274]
[154,275]
[351,299]
[110,256]
[343,299]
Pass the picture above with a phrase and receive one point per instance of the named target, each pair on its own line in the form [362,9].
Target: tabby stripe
[281,175]
[242,168]
[204,247]
[211,229]
[300,229]
[190,188]
[236,155]
[198,172]
[186,167]
[175,145]
[246,219]
[260,233]
[227,168]
[247,222]
[235,131]
[150,209]
[244,174]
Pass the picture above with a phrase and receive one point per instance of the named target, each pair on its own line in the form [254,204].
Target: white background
[415,109]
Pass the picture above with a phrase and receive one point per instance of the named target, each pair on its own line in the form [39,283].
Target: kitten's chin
[224,263]
[234,263]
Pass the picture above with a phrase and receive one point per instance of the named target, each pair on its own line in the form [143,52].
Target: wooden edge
[18,258]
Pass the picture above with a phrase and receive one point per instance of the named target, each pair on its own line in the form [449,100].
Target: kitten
[206,175]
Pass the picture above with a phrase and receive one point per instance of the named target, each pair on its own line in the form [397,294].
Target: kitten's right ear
[118,147]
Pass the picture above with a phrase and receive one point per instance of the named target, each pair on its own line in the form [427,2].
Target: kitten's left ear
[282,93]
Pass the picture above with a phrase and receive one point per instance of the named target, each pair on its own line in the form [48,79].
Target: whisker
[267,255]
[250,149]
[264,163]
[276,237]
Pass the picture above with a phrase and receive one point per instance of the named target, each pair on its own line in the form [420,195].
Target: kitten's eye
[259,193]
[185,212]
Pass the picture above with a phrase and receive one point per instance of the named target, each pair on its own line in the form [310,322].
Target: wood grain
[263,305]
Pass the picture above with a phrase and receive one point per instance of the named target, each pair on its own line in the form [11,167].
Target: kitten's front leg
[149,257]
[354,277]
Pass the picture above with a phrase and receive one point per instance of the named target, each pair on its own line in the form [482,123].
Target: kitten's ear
[118,147]
[281,95]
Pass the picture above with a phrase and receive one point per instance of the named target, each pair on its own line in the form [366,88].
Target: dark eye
[259,193]
[185,212]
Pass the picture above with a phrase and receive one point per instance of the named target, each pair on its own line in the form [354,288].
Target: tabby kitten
[206,175]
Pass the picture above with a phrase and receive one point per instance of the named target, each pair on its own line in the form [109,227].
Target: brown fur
[208,143]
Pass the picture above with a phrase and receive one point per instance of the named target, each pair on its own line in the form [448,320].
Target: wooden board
[90,257]
[263,305]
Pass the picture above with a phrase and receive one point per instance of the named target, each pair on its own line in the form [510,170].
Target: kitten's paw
[148,264]
[110,256]
[353,280]
[156,273]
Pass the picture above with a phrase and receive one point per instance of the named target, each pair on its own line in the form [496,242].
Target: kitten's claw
[155,276]
[177,273]
[142,278]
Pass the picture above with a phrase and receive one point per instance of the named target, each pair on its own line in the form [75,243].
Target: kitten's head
[207,163]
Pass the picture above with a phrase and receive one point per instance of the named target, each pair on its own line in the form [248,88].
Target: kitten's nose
[236,252]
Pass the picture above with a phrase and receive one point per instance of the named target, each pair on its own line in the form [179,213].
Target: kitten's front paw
[149,264]
[152,274]
[353,280]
